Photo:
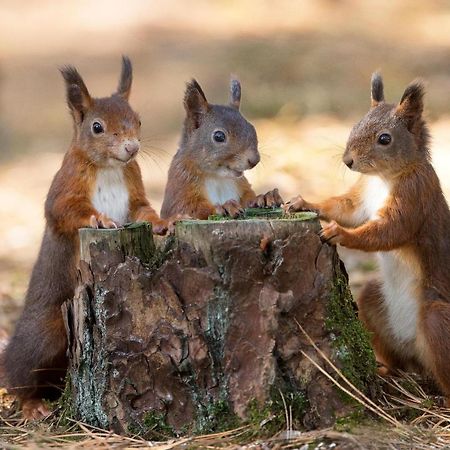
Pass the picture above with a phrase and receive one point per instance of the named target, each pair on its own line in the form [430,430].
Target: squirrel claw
[93,222]
[163,227]
[331,234]
[294,204]
[258,202]
[173,220]
[230,208]
[273,198]
[270,199]
[160,228]
[101,221]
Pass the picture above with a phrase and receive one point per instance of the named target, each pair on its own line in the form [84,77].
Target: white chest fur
[375,196]
[400,280]
[220,189]
[110,195]
[400,287]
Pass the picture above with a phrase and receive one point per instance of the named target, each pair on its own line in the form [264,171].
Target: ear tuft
[195,103]
[78,97]
[126,78]
[194,93]
[377,89]
[235,92]
[411,103]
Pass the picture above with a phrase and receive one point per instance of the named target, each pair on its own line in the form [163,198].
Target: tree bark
[202,332]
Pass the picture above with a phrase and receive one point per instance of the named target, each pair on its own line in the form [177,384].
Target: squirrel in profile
[98,185]
[218,144]
[397,209]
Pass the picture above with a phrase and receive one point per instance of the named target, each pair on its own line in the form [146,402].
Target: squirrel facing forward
[398,210]
[218,144]
[98,185]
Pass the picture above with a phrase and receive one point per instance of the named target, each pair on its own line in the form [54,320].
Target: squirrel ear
[195,104]
[126,77]
[235,93]
[411,104]
[377,90]
[78,97]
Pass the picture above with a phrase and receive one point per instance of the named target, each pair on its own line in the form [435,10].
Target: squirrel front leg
[66,216]
[384,234]
[140,209]
[345,209]
[144,212]
[250,200]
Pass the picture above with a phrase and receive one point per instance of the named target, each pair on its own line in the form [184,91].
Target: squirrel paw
[163,227]
[268,200]
[230,208]
[160,227]
[332,233]
[101,221]
[173,220]
[35,409]
[294,204]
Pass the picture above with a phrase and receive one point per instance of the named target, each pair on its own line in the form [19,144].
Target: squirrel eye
[97,128]
[384,139]
[219,136]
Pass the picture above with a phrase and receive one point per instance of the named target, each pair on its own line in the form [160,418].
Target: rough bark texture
[205,332]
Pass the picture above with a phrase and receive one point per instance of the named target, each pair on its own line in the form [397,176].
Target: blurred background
[304,65]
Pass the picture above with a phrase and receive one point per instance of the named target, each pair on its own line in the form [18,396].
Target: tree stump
[202,332]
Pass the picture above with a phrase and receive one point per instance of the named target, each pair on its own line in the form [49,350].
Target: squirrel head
[390,137]
[217,138]
[106,129]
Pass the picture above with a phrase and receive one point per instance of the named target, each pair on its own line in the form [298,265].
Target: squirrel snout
[132,148]
[252,161]
[348,161]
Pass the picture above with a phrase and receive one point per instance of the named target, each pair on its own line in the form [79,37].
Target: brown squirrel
[218,144]
[398,210]
[98,185]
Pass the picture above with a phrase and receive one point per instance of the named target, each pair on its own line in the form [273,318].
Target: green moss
[267,213]
[156,422]
[351,341]
[153,426]
[349,422]
[269,418]
[65,403]
[217,416]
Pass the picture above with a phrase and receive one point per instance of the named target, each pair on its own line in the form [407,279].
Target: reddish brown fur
[35,360]
[199,157]
[414,222]
[184,191]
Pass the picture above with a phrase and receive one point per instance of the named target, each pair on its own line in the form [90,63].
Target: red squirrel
[218,144]
[98,185]
[397,209]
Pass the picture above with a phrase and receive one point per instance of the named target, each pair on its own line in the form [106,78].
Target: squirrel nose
[348,162]
[132,148]
[253,161]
